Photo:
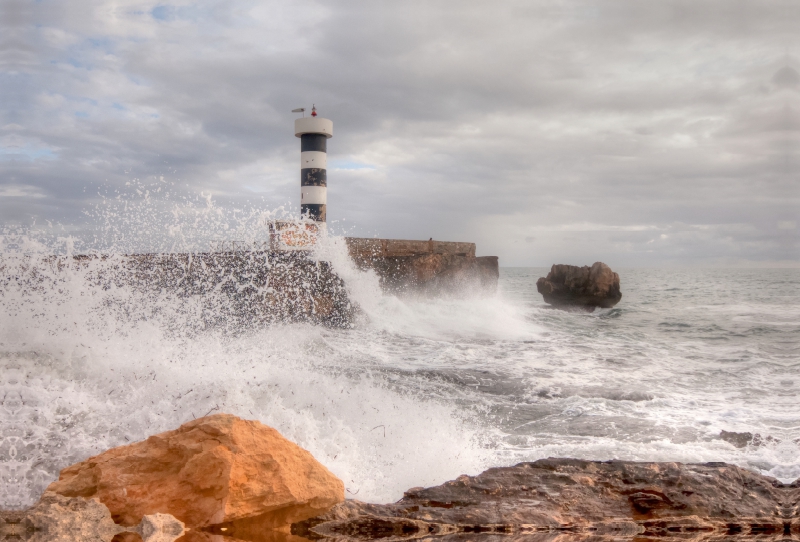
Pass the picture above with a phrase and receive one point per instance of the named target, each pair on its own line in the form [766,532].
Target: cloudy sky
[638,133]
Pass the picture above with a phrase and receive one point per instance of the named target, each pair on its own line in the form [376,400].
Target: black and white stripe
[313,134]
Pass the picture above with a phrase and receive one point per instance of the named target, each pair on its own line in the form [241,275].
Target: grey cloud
[493,124]
[786,77]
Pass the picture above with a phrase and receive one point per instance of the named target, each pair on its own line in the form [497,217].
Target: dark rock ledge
[616,499]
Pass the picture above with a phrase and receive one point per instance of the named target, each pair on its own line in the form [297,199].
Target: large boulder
[582,287]
[215,470]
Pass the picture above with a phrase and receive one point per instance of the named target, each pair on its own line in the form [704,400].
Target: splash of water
[89,361]
[418,392]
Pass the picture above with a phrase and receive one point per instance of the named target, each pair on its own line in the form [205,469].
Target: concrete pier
[235,290]
[430,268]
[238,288]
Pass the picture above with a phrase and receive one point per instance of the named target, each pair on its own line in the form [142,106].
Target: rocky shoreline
[224,479]
[615,498]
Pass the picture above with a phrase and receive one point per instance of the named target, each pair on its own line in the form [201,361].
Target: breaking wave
[418,392]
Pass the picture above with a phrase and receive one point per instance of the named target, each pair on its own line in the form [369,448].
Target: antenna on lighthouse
[300,110]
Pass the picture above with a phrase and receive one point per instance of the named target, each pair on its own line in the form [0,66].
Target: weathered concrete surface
[364,247]
[56,518]
[218,470]
[425,267]
[242,289]
[237,289]
[615,498]
[582,287]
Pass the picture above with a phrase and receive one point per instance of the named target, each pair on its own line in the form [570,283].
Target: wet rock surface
[550,500]
[567,286]
[743,440]
[614,499]
[60,519]
[56,518]
[218,470]
[160,528]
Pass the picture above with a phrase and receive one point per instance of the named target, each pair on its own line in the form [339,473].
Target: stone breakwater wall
[233,289]
[240,289]
[260,287]
[425,267]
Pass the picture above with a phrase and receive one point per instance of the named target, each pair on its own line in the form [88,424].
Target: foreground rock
[216,470]
[616,498]
[581,287]
[60,519]
[56,518]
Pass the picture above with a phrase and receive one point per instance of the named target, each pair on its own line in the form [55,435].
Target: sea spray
[97,382]
[418,392]
[90,362]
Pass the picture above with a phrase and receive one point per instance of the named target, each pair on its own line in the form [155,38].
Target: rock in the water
[56,518]
[214,470]
[740,440]
[160,528]
[613,497]
[582,287]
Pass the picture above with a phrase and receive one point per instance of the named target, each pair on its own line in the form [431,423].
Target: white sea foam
[419,392]
[73,395]
[86,367]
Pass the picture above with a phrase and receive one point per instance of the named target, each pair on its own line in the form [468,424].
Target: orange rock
[214,470]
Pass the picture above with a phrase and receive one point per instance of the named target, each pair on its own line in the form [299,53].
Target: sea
[419,390]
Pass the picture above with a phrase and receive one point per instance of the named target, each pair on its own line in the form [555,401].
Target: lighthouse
[314,133]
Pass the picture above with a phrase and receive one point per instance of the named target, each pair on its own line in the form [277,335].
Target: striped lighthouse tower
[314,133]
